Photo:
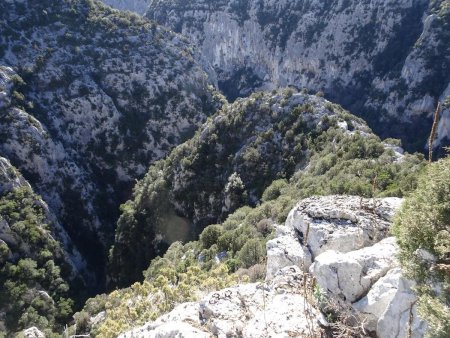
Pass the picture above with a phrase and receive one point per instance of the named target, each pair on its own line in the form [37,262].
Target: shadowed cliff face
[385,60]
[89,98]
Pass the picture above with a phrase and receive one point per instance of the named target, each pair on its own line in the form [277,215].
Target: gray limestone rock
[341,223]
[285,250]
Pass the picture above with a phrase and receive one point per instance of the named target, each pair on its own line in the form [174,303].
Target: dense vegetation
[423,231]
[228,164]
[33,272]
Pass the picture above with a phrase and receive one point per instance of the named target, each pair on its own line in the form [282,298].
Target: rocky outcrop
[366,281]
[351,275]
[352,261]
[286,250]
[381,56]
[33,332]
[274,308]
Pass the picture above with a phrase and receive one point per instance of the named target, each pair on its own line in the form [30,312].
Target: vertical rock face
[385,59]
[92,96]
[137,6]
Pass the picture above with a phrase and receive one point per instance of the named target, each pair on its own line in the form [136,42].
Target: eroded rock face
[270,309]
[443,130]
[10,178]
[341,223]
[380,56]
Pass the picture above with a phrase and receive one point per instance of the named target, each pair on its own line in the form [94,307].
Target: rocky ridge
[237,154]
[227,164]
[364,279]
[385,60]
[270,309]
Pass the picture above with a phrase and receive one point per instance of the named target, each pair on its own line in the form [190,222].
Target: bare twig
[410,319]
[433,132]
[306,235]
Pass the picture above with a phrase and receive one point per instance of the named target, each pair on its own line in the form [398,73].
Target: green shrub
[211,235]
[273,191]
[424,223]
[82,321]
[253,252]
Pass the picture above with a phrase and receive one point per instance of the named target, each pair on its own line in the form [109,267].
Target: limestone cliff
[386,60]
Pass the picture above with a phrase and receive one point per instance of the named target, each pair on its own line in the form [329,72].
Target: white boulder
[390,308]
[351,275]
[273,309]
[33,332]
[181,322]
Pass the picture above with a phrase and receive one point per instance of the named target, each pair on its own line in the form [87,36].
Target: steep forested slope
[259,155]
[89,97]
[35,270]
